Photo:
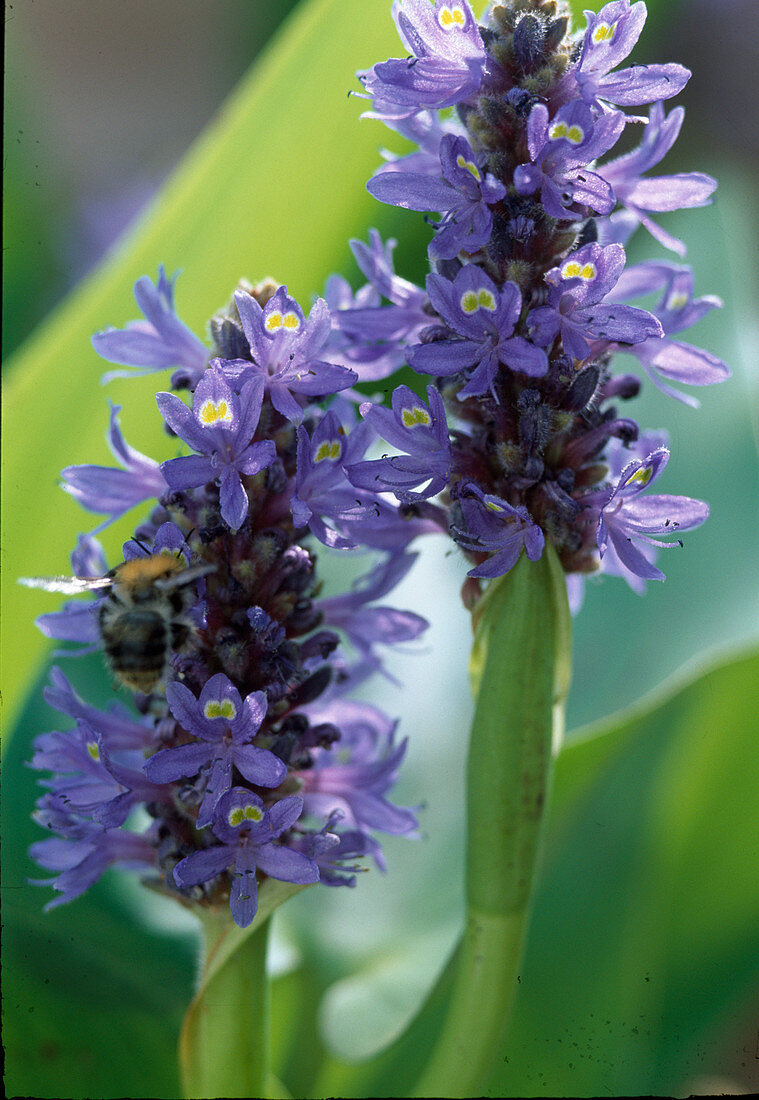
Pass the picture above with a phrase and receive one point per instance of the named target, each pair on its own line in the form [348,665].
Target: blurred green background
[651,871]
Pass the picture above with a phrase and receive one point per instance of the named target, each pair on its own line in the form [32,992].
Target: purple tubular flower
[160,341]
[560,153]
[104,489]
[322,488]
[219,427]
[661,193]
[116,725]
[354,776]
[575,308]
[225,727]
[284,347]
[609,38]
[367,627]
[83,851]
[677,310]
[421,432]
[498,528]
[484,317]
[462,195]
[247,831]
[373,337]
[446,66]
[624,517]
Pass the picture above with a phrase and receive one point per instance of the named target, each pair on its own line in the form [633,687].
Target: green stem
[520,675]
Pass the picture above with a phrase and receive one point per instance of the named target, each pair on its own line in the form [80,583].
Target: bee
[143,617]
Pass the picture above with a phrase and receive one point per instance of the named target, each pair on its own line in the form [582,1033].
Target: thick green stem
[224,1042]
[520,675]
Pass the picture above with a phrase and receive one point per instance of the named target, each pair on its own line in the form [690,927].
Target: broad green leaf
[645,937]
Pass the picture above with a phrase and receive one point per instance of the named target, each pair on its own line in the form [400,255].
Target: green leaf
[644,943]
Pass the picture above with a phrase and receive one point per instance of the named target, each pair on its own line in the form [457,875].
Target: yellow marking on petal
[235,817]
[330,448]
[486,299]
[643,475]
[573,270]
[493,506]
[215,412]
[93,750]
[558,130]
[253,813]
[603,32]
[677,300]
[451,18]
[415,416]
[220,708]
[291,321]
[274,322]
[468,301]
[470,166]
[575,134]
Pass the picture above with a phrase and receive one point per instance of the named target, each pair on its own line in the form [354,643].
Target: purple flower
[284,347]
[160,341]
[559,153]
[498,528]
[374,337]
[247,831]
[418,430]
[660,193]
[116,725]
[225,726]
[677,310]
[367,627]
[322,488]
[484,317]
[104,489]
[462,195]
[354,775]
[219,427]
[609,38]
[575,309]
[83,851]
[446,66]
[624,517]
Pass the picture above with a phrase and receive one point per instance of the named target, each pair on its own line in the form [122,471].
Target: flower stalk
[520,670]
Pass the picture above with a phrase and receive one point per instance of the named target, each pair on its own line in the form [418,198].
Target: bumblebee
[143,617]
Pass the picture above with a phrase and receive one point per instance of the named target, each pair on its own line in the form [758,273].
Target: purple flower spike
[285,347]
[661,193]
[484,317]
[609,38]
[446,66]
[576,310]
[160,341]
[115,492]
[219,427]
[224,727]
[421,432]
[247,832]
[624,517]
[462,195]
[495,526]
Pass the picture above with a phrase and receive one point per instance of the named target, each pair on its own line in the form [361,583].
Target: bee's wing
[192,573]
[70,586]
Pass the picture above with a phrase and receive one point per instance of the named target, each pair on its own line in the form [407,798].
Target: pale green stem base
[520,675]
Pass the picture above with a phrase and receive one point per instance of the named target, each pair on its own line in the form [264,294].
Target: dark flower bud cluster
[245,755]
[528,297]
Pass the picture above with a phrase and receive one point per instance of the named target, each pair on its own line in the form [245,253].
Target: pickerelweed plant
[256,772]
